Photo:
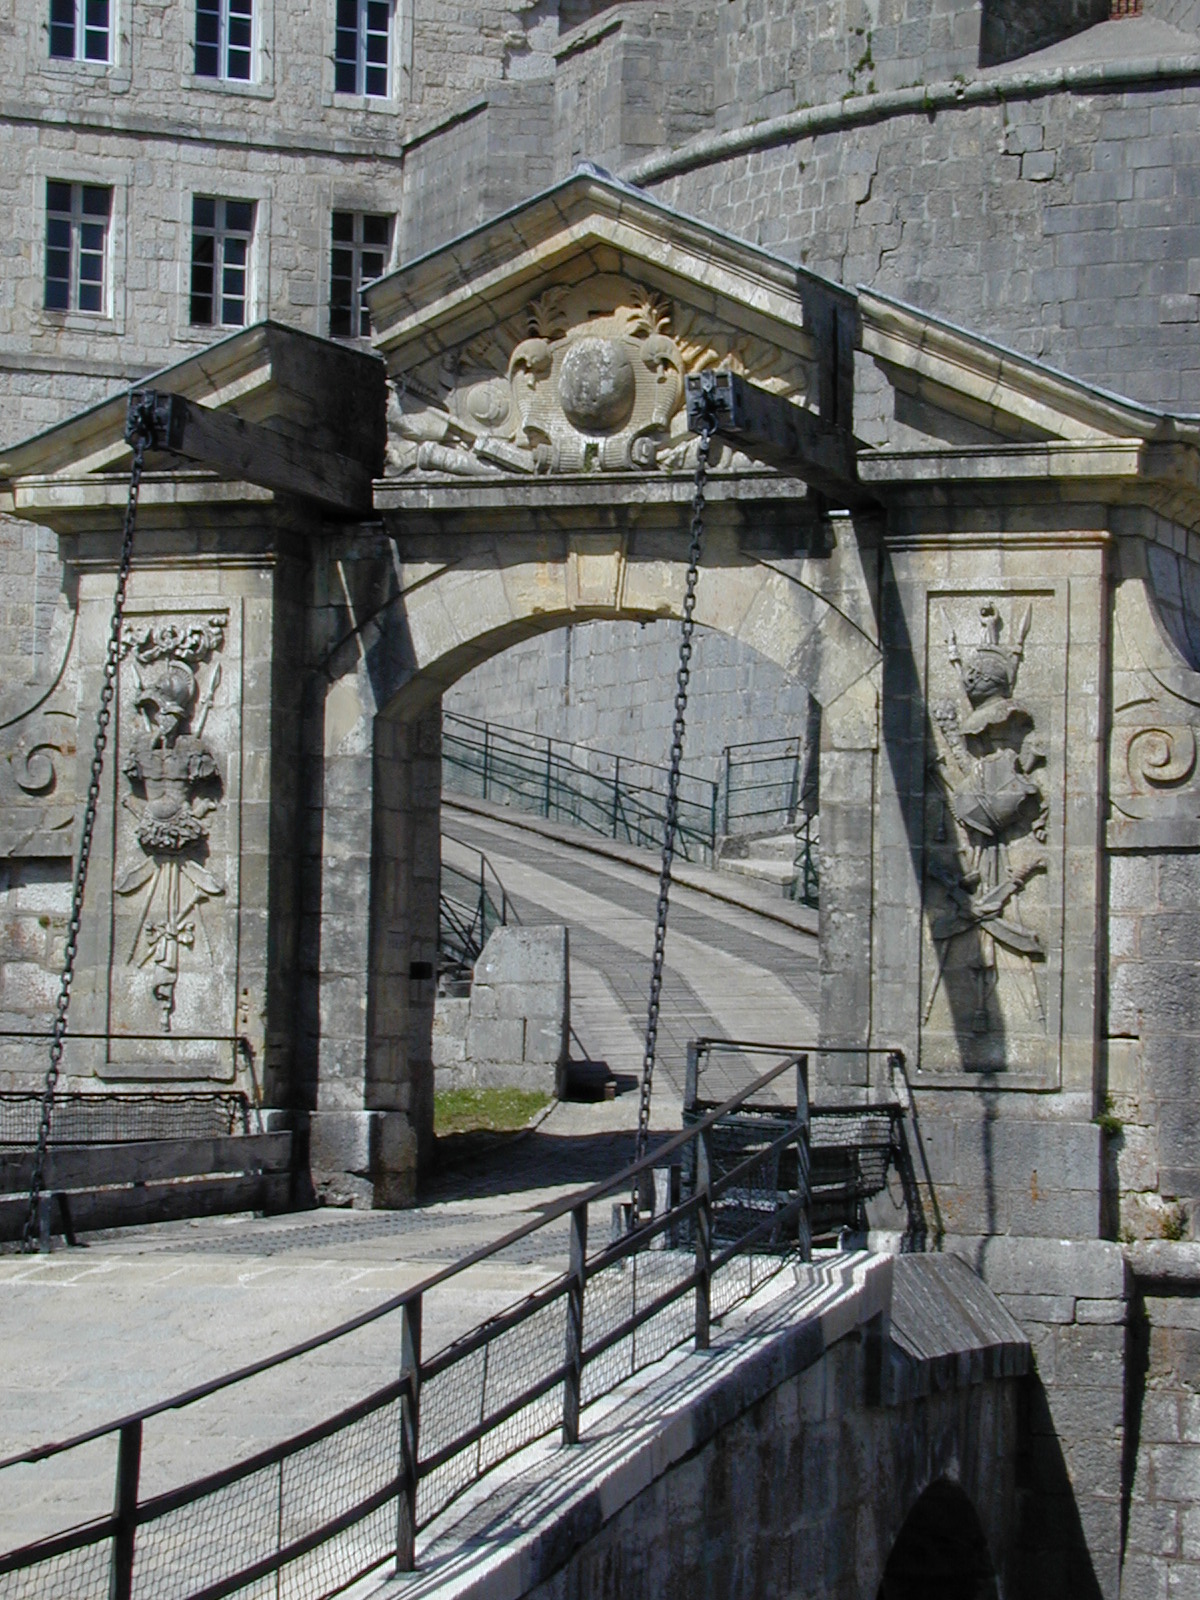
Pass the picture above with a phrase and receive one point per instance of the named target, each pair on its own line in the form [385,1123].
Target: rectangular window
[79,30]
[222,231]
[363,48]
[362,244]
[77,218]
[225,39]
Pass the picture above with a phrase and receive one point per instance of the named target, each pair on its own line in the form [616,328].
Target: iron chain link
[671,820]
[140,433]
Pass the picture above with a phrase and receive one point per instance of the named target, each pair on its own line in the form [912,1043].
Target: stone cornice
[917,100]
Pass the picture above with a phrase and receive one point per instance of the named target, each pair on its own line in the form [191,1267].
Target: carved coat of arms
[987,756]
[175,784]
[589,378]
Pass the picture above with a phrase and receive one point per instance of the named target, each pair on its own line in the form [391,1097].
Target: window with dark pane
[362,47]
[225,39]
[222,234]
[79,30]
[361,246]
[77,224]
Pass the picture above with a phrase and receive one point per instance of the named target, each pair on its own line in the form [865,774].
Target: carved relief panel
[173,968]
[991,937]
[587,378]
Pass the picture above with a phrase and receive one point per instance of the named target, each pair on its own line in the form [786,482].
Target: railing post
[573,1383]
[486,748]
[703,1238]
[549,759]
[129,1466]
[410,1376]
[712,821]
[616,805]
[728,783]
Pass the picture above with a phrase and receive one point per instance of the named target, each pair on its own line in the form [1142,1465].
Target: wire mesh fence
[124,1117]
[310,1514]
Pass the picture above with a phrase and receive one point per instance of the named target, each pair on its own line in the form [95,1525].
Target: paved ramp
[739,965]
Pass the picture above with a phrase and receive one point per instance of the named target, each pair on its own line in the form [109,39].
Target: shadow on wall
[1012,28]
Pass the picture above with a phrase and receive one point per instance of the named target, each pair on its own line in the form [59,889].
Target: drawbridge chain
[705,424]
[140,432]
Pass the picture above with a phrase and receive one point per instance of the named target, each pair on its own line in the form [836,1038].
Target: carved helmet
[172,689]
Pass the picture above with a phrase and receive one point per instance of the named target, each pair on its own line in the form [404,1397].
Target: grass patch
[485,1110]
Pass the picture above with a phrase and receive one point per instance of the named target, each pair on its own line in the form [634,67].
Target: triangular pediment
[557,338]
[310,393]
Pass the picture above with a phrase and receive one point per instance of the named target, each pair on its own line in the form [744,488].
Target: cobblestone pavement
[139,1315]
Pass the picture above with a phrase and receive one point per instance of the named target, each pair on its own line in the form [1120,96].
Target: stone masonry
[1003,640]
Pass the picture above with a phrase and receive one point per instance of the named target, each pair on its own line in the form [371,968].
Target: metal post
[712,821]
[410,1374]
[703,1238]
[573,1383]
[728,783]
[549,758]
[486,732]
[129,1464]
[616,805]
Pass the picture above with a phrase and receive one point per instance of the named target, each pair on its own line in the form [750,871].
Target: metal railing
[854,1149]
[759,789]
[761,785]
[471,906]
[348,1494]
[598,790]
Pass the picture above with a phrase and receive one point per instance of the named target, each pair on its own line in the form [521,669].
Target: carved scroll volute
[1154,781]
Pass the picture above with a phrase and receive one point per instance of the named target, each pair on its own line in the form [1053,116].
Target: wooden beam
[776,430]
[249,451]
[83,1166]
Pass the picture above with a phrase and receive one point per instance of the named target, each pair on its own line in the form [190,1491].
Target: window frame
[222,234]
[78,219]
[80,28]
[223,45]
[362,65]
[357,247]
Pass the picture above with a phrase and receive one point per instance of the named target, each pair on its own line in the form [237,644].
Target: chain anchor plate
[704,413]
[143,430]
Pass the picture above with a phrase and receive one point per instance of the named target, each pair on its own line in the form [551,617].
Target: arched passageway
[460,597]
[941,1552]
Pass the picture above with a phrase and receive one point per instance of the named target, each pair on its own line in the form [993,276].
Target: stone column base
[364,1159]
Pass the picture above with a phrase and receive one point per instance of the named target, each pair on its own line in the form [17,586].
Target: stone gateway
[998,634]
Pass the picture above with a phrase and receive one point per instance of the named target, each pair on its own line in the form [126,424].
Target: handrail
[621,797]
[407,1450]
[620,1184]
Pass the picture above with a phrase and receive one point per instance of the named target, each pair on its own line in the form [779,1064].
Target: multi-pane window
[225,39]
[362,242]
[79,30]
[77,216]
[362,47]
[222,232]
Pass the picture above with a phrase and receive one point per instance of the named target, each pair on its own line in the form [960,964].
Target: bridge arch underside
[456,598]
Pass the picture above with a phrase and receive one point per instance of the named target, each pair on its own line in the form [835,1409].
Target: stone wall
[1057,225]
[612,686]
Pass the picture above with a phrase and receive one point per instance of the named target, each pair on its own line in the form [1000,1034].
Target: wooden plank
[160,1202]
[340,392]
[258,454]
[143,1161]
